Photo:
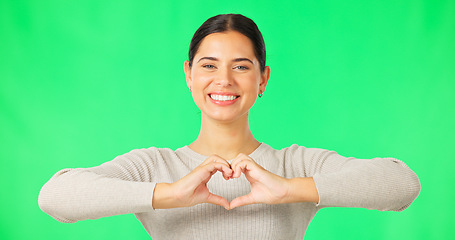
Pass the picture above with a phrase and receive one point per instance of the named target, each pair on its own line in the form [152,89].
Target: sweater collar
[254,155]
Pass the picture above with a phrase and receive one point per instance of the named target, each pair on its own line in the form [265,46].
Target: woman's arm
[336,181]
[385,184]
[126,185]
[121,186]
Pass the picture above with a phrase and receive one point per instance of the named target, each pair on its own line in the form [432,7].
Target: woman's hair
[230,22]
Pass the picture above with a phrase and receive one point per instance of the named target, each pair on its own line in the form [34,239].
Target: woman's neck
[226,140]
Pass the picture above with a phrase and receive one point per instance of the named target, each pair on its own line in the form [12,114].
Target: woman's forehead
[229,44]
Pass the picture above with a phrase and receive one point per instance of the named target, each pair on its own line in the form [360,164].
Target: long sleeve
[385,184]
[121,186]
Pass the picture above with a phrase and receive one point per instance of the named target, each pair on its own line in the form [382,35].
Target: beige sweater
[125,185]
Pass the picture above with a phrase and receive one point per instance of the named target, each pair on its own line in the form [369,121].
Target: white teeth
[223,97]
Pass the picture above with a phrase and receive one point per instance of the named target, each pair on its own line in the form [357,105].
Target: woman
[259,192]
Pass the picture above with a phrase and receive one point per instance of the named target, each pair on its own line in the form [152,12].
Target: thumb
[242,201]
[218,200]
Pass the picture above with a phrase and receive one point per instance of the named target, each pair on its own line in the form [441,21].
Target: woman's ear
[187,70]
[264,79]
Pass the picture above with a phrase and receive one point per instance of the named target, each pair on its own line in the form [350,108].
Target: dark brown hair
[230,22]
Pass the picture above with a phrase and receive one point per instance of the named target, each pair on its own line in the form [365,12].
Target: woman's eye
[208,66]
[242,68]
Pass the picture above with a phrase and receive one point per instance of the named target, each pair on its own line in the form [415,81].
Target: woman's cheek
[201,79]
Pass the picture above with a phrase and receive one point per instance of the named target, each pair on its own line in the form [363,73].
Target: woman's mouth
[223,97]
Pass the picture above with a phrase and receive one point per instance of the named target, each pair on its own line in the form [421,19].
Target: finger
[202,174]
[216,166]
[239,168]
[241,159]
[218,200]
[216,159]
[242,201]
[242,166]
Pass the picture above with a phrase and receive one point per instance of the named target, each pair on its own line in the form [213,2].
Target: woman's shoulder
[147,155]
[292,161]
[294,154]
[296,150]
[151,152]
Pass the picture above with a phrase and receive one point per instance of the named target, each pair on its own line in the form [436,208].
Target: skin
[224,129]
[225,63]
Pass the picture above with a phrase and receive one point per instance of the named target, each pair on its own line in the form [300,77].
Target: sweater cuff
[151,195]
[319,192]
[323,191]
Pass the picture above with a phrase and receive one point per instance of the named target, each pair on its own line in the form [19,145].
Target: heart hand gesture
[266,187]
[192,189]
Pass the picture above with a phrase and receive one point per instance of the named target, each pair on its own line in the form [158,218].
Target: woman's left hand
[266,187]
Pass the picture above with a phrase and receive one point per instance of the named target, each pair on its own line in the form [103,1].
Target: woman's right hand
[192,189]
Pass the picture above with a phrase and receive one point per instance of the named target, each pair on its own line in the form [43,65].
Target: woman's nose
[224,77]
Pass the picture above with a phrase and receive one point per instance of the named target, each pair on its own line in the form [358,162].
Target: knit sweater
[126,185]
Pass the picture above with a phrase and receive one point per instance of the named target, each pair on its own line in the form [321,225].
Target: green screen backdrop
[84,81]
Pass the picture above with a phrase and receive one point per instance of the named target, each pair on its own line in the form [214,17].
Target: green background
[84,81]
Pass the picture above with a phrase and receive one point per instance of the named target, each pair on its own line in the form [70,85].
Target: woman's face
[225,76]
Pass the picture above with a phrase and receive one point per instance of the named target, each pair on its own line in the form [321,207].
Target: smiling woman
[226,184]
[227,73]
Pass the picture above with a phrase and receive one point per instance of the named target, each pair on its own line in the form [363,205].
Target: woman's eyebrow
[208,58]
[242,59]
[234,60]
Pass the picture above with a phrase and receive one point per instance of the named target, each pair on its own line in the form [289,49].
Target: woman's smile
[223,98]
[225,78]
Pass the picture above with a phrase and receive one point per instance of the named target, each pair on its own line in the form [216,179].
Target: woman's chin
[224,117]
